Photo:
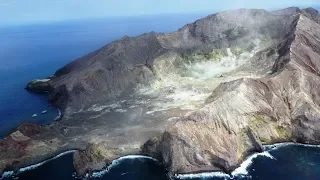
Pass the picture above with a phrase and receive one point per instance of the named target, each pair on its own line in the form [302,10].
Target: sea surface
[280,162]
[37,51]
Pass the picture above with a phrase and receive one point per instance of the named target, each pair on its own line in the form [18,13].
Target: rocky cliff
[123,64]
[202,98]
[239,115]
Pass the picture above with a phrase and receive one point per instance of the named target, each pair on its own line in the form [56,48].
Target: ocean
[37,51]
[279,162]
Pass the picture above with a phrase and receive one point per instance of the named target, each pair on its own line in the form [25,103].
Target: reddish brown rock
[278,101]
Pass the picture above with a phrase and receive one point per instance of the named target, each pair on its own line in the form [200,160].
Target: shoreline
[34,166]
[97,174]
[59,117]
[56,118]
[241,170]
[224,133]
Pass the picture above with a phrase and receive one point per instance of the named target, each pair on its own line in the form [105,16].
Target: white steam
[214,68]
[191,83]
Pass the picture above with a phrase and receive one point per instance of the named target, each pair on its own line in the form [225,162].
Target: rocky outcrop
[116,68]
[219,135]
[22,142]
[278,102]
[282,106]
[95,157]
[39,86]
[311,13]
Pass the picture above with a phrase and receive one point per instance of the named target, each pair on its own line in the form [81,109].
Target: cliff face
[206,96]
[121,65]
[281,106]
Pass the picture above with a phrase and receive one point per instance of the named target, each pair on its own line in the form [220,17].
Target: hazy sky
[33,11]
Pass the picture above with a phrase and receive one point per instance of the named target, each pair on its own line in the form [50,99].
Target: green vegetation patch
[242,145]
[256,120]
[282,132]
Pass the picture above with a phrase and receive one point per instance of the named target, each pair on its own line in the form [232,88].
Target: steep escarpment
[121,65]
[282,106]
[108,72]
[30,144]
[311,13]
[202,98]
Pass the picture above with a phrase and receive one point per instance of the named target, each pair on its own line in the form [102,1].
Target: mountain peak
[311,11]
[261,69]
[287,11]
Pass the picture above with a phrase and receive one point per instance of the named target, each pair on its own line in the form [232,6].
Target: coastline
[236,118]
[60,115]
[241,170]
[116,162]
[57,118]
[35,165]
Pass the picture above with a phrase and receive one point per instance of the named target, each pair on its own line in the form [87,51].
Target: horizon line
[205,13]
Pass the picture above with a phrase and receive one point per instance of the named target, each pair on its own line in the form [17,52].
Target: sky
[34,11]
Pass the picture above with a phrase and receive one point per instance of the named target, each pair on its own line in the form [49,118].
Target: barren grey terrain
[202,98]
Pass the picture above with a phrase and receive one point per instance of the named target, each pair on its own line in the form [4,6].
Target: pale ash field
[200,99]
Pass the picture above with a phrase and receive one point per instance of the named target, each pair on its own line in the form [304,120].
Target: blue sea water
[37,51]
[288,162]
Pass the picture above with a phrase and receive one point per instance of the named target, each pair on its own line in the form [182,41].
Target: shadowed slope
[283,106]
[134,89]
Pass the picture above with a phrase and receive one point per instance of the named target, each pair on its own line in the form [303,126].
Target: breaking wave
[117,162]
[242,169]
[203,175]
[32,167]
[239,172]
[273,147]
[59,115]
[242,172]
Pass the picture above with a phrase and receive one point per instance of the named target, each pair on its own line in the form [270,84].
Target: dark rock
[151,148]
[97,156]
[280,104]
[94,157]
[39,86]
[29,129]
[118,67]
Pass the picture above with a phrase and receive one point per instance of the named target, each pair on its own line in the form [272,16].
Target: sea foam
[118,161]
[242,169]
[31,167]
[203,175]
[280,145]
[28,168]
[7,174]
[59,115]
